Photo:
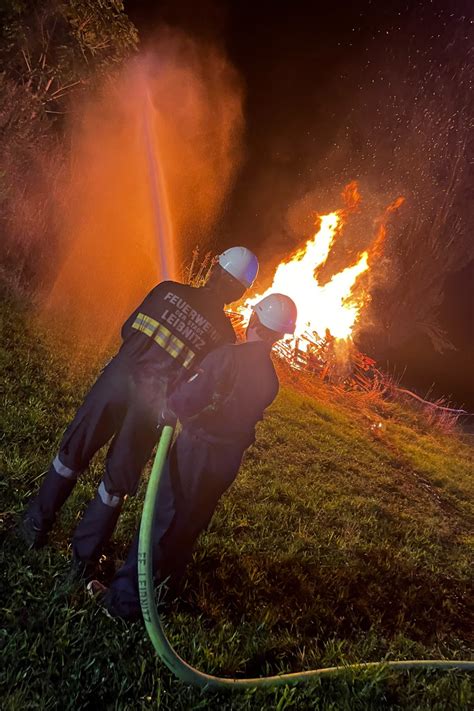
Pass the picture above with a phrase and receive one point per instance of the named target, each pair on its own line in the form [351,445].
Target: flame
[333,308]
[351,195]
[320,308]
[378,244]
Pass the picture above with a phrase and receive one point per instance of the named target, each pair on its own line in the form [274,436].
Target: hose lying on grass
[184,671]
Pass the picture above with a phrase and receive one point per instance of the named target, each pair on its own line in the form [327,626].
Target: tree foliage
[51,48]
[49,51]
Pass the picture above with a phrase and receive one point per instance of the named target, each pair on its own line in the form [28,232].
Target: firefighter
[171,331]
[218,407]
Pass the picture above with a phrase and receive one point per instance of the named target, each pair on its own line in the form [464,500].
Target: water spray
[159,201]
[184,671]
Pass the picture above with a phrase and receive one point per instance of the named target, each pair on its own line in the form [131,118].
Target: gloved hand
[167,417]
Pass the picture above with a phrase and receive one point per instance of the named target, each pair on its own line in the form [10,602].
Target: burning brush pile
[328,313]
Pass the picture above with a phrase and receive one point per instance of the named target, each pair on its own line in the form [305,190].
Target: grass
[341,541]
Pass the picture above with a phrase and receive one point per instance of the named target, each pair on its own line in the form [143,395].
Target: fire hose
[184,671]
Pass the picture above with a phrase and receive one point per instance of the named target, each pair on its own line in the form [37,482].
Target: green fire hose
[184,671]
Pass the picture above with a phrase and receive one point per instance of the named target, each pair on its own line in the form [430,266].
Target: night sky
[375,91]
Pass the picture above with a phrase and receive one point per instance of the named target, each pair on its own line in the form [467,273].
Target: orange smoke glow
[152,156]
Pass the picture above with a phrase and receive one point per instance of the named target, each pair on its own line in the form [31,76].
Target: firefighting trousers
[194,478]
[120,408]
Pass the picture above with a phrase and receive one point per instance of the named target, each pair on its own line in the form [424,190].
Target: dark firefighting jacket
[174,328]
[228,395]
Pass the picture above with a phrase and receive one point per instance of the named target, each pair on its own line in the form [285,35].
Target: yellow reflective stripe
[175,347]
[145,324]
[189,359]
[164,338]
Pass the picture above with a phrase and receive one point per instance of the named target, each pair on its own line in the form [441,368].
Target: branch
[26,60]
[431,404]
[63,89]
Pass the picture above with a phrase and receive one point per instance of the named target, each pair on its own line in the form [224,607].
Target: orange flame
[378,243]
[334,307]
[351,196]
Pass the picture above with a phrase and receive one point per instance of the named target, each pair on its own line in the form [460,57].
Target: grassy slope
[334,545]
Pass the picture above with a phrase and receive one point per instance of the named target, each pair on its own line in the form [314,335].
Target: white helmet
[241,263]
[277,312]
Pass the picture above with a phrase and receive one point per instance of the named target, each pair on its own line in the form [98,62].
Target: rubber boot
[93,532]
[122,599]
[41,513]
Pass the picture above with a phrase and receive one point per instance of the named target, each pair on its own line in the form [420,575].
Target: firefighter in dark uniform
[218,407]
[174,328]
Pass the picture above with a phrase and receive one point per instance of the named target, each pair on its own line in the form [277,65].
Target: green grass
[336,544]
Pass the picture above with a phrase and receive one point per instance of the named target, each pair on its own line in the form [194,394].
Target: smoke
[165,133]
